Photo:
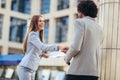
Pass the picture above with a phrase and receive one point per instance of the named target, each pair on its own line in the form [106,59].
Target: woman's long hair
[33,27]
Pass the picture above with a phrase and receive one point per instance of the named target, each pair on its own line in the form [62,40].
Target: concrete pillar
[52,21]
[6,26]
[70,28]
[35,7]
[109,19]
[52,29]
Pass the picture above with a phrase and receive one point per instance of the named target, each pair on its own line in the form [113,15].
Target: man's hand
[68,63]
[63,48]
[44,55]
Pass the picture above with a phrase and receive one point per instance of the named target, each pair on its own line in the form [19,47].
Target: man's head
[87,8]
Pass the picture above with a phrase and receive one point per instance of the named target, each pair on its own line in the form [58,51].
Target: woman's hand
[63,48]
[44,55]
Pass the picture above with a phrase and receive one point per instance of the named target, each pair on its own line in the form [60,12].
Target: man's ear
[78,14]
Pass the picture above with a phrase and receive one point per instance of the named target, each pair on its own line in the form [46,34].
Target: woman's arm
[34,39]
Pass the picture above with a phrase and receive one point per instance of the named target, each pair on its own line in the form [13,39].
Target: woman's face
[40,24]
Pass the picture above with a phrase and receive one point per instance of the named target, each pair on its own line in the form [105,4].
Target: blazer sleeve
[76,42]
[34,39]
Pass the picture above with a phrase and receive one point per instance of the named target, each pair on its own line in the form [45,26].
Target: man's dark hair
[88,8]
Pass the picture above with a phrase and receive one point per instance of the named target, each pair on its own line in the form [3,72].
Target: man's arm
[77,41]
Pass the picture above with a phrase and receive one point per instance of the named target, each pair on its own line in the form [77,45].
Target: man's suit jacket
[85,48]
[34,51]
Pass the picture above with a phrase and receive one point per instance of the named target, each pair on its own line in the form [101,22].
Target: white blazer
[34,50]
[85,47]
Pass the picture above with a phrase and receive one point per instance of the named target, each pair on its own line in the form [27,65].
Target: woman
[85,47]
[33,47]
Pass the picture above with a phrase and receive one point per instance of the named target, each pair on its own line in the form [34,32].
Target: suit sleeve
[34,39]
[76,42]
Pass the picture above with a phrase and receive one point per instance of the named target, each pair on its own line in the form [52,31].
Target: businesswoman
[33,47]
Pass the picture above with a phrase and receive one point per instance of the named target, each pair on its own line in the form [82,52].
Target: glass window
[14,5]
[21,6]
[45,6]
[3,3]
[1,24]
[27,6]
[17,30]
[46,31]
[63,4]
[61,29]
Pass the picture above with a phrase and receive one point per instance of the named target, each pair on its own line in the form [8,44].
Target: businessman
[85,47]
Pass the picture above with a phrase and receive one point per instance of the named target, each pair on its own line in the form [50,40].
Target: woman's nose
[43,23]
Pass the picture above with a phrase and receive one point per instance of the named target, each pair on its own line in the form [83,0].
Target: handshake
[61,48]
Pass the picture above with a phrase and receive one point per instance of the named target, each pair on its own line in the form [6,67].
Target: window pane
[1,24]
[17,30]
[45,6]
[27,6]
[3,3]
[63,4]
[62,29]
[21,6]
[14,5]
[46,30]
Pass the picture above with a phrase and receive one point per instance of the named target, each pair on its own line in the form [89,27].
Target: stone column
[6,26]
[109,19]
[52,22]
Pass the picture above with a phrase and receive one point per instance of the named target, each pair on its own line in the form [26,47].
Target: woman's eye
[41,21]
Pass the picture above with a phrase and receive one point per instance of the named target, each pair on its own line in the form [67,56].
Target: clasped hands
[62,48]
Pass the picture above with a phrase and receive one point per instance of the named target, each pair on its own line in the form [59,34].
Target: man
[85,48]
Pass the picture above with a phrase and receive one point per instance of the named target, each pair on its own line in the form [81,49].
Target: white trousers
[25,73]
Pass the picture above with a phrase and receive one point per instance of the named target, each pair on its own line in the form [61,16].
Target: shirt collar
[36,32]
[88,17]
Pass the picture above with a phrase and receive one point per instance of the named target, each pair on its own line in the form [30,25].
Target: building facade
[14,20]
[14,16]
